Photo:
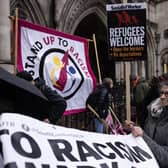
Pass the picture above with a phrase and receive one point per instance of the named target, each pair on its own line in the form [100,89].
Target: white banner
[61,59]
[30,143]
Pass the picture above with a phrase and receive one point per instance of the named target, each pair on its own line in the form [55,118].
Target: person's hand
[137,131]
[127,125]
[46,120]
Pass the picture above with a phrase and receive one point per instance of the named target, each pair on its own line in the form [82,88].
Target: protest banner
[127,37]
[61,59]
[127,31]
[30,143]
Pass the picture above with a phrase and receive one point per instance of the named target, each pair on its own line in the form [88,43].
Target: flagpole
[127,79]
[165,68]
[12,31]
[97,59]
[113,113]
[16,39]
[97,115]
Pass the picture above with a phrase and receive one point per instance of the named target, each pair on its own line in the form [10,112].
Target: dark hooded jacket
[104,100]
[142,89]
[55,106]
[156,134]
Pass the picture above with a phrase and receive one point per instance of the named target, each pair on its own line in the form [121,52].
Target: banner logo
[60,67]
[125,19]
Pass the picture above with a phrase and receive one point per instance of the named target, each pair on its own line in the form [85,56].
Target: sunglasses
[164,92]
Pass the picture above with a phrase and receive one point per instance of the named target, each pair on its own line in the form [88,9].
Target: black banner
[127,31]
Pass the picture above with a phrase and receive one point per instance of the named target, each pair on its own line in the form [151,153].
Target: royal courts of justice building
[85,18]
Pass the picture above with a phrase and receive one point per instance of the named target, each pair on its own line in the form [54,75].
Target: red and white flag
[61,59]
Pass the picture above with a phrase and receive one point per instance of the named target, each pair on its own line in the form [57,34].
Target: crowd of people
[49,109]
[153,131]
[150,99]
[143,93]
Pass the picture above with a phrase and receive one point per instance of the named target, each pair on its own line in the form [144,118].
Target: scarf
[156,108]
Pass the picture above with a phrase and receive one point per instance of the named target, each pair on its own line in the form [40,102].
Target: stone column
[134,69]
[143,69]
[119,69]
[5,55]
[122,70]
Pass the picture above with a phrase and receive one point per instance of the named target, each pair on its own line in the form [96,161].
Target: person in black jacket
[104,101]
[141,91]
[56,103]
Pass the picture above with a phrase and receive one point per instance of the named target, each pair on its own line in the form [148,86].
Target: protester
[155,131]
[104,101]
[56,102]
[141,91]
[152,94]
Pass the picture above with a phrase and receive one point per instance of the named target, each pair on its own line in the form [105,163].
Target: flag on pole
[61,59]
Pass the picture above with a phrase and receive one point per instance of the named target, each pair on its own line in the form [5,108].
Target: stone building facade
[85,18]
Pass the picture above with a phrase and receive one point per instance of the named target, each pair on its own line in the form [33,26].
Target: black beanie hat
[25,75]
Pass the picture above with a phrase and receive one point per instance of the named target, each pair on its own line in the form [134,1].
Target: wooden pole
[16,39]
[127,79]
[12,19]
[114,115]
[98,117]
[124,1]
[165,68]
[97,59]
[128,101]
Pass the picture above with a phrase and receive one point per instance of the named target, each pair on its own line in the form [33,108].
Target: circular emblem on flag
[61,72]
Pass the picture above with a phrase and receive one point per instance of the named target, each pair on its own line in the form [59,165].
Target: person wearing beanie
[103,99]
[56,103]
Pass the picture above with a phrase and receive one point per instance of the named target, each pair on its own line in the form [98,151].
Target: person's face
[164,95]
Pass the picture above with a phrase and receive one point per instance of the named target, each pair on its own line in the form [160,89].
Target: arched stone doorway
[29,10]
[90,25]
[85,18]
